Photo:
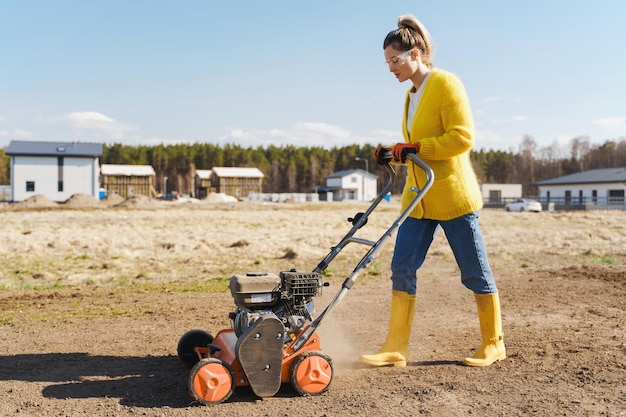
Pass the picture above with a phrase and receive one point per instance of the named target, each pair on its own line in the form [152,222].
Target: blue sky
[303,73]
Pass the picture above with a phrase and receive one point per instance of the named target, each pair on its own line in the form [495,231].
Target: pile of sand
[82,201]
[113,199]
[138,201]
[36,201]
[220,198]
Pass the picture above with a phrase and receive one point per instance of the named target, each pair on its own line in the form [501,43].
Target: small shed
[56,170]
[234,181]
[128,180]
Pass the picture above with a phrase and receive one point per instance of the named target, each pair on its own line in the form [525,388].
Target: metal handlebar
[359,221]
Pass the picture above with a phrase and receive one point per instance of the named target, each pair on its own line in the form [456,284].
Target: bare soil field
[94,298]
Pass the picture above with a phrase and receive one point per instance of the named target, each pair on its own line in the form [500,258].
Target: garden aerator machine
[273,338]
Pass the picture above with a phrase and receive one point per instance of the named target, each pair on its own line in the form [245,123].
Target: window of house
[354,179]
[30,186]
[594,196]
[495,196]
[616,196]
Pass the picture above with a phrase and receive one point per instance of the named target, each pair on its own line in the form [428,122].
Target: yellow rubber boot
[395,349]
[492,348]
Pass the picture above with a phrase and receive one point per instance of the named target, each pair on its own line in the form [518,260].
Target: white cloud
[96,124]
[17,133]
[385,137]
[23,133]
[611,126]
[518,119]
[154,141]
[488,139]
[610,123]
[306,134]
[563,139]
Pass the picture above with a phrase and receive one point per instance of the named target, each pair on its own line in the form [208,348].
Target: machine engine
[288,296]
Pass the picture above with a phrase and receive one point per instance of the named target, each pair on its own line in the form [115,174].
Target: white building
[597,187]
[500,193]
[56,170]
[353,184]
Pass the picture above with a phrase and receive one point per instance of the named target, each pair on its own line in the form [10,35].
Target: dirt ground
[94,298]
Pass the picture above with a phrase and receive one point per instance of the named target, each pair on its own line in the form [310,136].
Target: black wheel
[211,381]
[311,373]
[189,342]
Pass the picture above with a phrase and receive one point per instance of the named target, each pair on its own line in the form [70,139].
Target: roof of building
[236,172]
[347,172]
[127,170]
[594,176]
[27,148]
[324,189]
[204,174]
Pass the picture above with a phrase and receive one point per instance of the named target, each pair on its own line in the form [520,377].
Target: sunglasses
[398,59]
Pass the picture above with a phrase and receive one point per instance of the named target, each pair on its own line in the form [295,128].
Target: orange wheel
[311,373]
[211,381]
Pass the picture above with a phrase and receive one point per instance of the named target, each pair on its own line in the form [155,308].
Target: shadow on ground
[152,381]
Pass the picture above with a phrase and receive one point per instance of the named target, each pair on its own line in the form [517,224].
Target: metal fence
[283,197]
[567,204]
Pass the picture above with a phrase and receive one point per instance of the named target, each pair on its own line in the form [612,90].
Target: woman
[438,126]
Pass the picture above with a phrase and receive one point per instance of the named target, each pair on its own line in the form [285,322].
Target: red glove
[382,155]
[401,150]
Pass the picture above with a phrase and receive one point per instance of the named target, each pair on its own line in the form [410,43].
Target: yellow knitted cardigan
[444,126]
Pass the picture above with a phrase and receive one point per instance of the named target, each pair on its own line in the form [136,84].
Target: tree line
[291,169]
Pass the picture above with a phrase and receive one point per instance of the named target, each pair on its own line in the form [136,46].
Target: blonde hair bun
[408,21]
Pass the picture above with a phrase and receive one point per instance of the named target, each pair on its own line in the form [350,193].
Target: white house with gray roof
[56,170]
[605,187]
[352,184]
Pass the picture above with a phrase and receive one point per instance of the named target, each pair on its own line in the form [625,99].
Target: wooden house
[128,180]
[233,181]
[56,170]
[202,186]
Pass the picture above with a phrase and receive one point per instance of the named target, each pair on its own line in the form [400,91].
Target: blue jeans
[466,241]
